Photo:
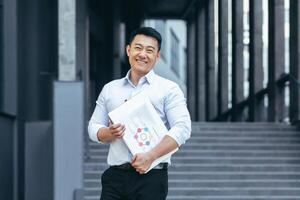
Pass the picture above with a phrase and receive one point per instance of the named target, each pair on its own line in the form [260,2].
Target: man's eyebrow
[138,44]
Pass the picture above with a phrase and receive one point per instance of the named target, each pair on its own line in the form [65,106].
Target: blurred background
[236,61]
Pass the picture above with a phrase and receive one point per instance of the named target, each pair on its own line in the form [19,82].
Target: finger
[117,128]
[120,129]
[120,135]
[119,132]
[114,126]
[122,132]
[114,132]
[133,159]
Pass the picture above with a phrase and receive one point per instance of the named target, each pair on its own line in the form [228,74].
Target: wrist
[104,135]
[153,155]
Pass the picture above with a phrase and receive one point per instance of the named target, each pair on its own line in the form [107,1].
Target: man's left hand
[142,161]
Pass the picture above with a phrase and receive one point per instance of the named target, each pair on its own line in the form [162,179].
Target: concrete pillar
[67,40]
[276,60]
[117,48]
[10,54]
[83,51]
[256,60]
[237,59]
[68,128]
[68,100]
[223,57]
[201,63]
[211,92]
[191,69]
[295,61]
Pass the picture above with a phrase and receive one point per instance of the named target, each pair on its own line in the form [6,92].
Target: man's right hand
[117,130]
[113,131]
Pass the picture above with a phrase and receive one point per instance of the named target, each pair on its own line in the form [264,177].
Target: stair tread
[227,161]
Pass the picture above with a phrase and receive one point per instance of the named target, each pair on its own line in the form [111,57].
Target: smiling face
[142,53]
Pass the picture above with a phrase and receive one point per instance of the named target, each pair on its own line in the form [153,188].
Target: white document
[144,128]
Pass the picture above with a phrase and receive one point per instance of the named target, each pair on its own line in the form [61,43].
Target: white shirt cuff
[93,131]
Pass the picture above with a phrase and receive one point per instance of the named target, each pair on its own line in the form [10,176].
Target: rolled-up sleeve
[99,118]
[177,115]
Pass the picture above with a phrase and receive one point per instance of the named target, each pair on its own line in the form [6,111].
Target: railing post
[295,61]
[256,60]
[223,57]
[191,69]
[211,93]
[276,59]
[201,63]
[237,58]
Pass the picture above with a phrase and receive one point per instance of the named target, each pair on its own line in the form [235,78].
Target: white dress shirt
[166,97]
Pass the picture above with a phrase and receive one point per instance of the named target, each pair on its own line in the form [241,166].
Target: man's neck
[134,77]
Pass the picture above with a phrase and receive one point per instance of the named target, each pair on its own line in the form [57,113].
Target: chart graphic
[143,136]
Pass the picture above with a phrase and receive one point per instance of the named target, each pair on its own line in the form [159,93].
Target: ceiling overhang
[168,9]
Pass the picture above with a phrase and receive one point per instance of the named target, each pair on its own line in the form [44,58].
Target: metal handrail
[285,77]
[294,79]
[4,114]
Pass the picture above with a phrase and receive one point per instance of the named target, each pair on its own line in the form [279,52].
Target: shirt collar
[149,77]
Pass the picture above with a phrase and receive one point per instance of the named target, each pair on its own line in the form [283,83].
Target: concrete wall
[6,156]
[37,58]
[38,161]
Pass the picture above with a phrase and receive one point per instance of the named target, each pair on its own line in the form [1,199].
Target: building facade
[56,56]
[172,64]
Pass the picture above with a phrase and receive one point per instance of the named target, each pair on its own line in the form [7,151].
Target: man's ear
[158,55]
[127,49]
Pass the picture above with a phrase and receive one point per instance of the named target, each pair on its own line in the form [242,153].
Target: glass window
[160,26]
[174,53]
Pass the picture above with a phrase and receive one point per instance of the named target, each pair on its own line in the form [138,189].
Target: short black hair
[147,31]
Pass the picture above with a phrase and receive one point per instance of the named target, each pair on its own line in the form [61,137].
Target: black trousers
[119,184]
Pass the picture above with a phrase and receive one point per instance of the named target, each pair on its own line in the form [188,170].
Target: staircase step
[230,153]
[222,161]
[237,191]
[244,125]
[235,175]
[239,133]
[95,197]
[247,197]
[237,153]
[92,183]
[94,175]
[235,183]
[220,183]
[246,146]
[215,167]
[197,157]
[219,191]
[242,146]
[197,129]
[236,168]
[248,139]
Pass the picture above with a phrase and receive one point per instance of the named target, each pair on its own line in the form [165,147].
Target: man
[125,178]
